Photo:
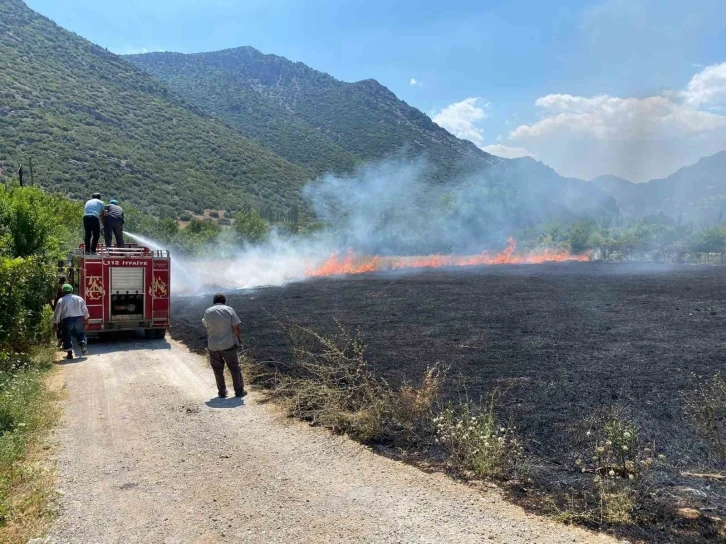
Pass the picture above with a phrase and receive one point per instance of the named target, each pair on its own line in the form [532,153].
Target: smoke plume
[392,208]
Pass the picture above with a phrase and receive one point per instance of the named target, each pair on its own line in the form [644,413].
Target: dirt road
[148,454]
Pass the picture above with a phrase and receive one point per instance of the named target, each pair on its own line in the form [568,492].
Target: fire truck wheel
[156,334]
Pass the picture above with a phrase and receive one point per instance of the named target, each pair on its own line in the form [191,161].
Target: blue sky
[635,88]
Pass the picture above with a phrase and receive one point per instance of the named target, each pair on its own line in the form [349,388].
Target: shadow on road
[111,342]
[100,347]
[114,342]
[74,361]
[218,402]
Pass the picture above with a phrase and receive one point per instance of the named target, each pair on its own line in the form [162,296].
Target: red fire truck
[125,289]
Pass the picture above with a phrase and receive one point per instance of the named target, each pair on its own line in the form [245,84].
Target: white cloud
[636,138]
[462,117]
[507,152]
[707,86]
[414,83]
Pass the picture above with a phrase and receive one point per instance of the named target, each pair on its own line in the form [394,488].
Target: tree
[578,236]
[250,227]
[710,240]
[603,242]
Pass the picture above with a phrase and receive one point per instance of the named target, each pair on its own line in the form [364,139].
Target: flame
[349,264]
[352,264]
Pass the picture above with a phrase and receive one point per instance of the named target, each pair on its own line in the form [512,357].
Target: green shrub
[34,223]
[26,286]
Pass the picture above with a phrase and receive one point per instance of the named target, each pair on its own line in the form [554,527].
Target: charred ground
[563,339]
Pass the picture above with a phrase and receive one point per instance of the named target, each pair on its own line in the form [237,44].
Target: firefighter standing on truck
[112,217]
[223,338]
[92,222]
[71,311]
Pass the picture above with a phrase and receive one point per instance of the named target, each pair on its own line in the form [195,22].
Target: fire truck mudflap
[125,289]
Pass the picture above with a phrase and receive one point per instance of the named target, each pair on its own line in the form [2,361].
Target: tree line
[656,238]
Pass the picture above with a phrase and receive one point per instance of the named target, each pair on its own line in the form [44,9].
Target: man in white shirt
[223,338]
[71,310]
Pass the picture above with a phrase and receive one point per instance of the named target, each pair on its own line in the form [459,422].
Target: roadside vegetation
[35,229]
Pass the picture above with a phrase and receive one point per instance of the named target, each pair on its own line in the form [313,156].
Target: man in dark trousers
[53,303]
[113,223]
[71,310]
[223,338]
[92,222]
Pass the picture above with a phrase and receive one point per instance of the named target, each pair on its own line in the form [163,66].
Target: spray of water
[184,280]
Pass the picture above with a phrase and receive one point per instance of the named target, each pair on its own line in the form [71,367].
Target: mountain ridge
[695,192]
[90,119]
[182,137]
[364,118]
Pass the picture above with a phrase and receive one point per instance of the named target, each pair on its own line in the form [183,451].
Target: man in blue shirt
[92,222]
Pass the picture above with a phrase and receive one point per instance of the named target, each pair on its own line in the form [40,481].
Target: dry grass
[477,441]
[705,405]
[331,385]
[618,463]
[27,478]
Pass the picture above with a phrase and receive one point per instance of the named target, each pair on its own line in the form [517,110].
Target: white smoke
[388,208]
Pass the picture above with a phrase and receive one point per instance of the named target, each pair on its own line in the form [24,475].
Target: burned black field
[562,339]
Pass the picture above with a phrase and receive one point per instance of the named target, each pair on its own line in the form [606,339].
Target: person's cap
[96,195]
[67,288]
[113,201]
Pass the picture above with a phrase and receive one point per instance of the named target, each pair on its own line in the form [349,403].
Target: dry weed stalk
[619,462]
[332,385]
[705,405]
[477,442]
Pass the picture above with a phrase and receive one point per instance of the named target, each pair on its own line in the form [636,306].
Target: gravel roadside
[147,454]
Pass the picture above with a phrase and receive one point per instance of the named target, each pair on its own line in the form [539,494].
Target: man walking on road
[223,338]
[53,303]
[113,223]
[71,311]
[92,222]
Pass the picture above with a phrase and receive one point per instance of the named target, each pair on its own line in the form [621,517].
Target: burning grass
[350,263]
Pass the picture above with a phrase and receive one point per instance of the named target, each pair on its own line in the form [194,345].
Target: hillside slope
[695,193]
[307,116]
[311,118]
[91,120]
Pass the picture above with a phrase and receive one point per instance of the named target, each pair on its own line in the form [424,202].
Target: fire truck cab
[124,289]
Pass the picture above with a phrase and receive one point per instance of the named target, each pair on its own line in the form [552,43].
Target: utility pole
[30,164]
[20,175]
